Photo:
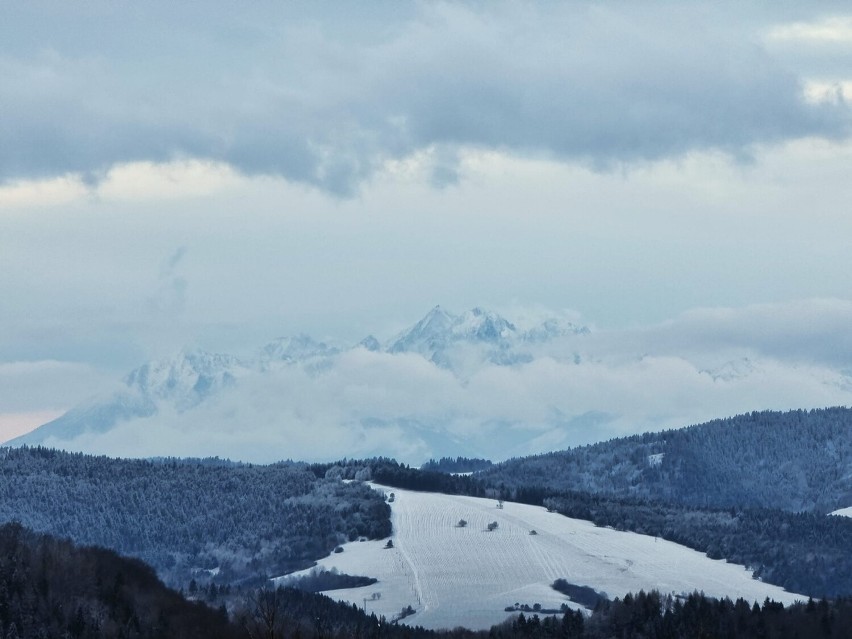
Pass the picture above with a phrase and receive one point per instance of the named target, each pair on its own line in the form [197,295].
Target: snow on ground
[466,576]
[656,459]
[843,512]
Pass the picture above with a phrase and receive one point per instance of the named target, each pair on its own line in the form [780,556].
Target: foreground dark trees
[652,616]
[51,588]
[286,613]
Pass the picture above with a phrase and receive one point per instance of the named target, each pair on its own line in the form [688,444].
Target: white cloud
[702,365]
[831,91]
[57,191]
[833,30]
[135,182]
[141,181]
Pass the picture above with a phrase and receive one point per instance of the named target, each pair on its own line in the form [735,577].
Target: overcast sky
[198,175]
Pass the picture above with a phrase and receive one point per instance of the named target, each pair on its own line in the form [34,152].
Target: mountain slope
[179,383]
[434,563]
[798,460]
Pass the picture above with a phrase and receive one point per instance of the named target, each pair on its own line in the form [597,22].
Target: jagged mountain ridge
[475,384]
[186,378]
[185,381]
[439,332]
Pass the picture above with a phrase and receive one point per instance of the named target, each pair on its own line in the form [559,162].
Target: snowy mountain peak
[439,331]
[370,343]
[461,344]
[481,325]
[185,378]
[552,328]
[435,321]
[732,370]
[295,348]
[427,335]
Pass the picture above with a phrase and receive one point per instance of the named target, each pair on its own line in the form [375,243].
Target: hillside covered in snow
[453,574]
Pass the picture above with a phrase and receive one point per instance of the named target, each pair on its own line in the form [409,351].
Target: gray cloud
[325,99]
[809,332]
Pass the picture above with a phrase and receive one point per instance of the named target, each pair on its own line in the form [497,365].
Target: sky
[174,177]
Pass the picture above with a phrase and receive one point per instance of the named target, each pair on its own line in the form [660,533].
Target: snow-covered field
[466,576]
[843,512]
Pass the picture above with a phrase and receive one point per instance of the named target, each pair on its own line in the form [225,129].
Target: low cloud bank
[578,389]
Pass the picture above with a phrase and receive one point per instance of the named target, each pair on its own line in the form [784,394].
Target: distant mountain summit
[181,386]
[552,328]
[426,336]
[181,383]
[186,379]
[295,349]
[439,332]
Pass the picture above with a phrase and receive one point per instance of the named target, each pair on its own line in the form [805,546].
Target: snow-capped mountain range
[475,384]
[183,382]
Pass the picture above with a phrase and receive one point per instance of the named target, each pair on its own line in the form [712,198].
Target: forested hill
[189,517]
[51,588]
[796,461]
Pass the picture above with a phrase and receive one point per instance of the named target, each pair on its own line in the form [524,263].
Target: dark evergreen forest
[53,589]
[457,464]
[795,461]
[185,517]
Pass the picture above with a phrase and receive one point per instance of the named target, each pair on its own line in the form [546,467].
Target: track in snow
[467,576]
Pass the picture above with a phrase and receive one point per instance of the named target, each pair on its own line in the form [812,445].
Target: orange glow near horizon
[16,424]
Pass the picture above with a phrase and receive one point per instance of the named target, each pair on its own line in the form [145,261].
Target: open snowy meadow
[454,575]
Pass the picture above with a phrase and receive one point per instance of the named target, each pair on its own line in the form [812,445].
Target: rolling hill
[454,575]
[795,461]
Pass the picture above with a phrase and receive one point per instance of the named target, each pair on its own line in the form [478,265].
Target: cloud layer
[326,97]
[579,389]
